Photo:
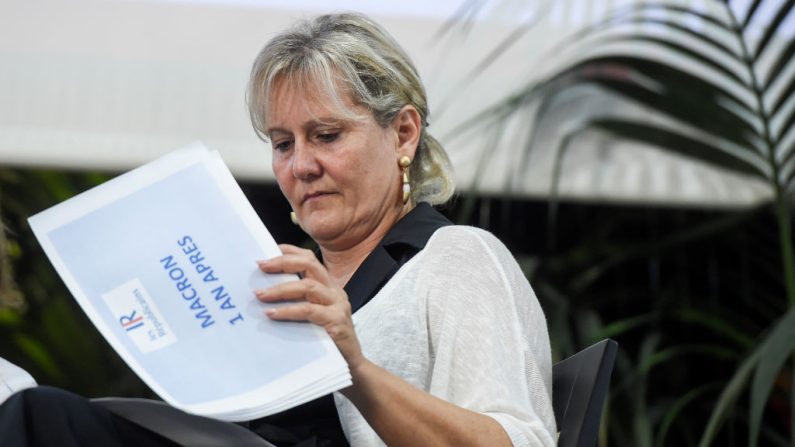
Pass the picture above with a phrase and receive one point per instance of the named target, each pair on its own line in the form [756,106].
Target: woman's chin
[321,230]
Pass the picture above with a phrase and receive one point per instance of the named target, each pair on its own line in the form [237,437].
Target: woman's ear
[407,125]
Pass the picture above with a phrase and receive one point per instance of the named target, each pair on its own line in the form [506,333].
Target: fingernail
[270,312]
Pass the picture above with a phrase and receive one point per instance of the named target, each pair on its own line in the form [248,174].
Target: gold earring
[294,218]
[404,163]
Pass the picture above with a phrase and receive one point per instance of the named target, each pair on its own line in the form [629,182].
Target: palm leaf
[682,50]
[641,421]
[637,13]
[786,153]
[773,353]
[464,14]
[673,353]
[686,98]
[751,11]
[781,63]
[676,409]
[620,327]
[727,398]
[772,28]
[706,39]
[789,169]
[719,325]
[673,141]
[470,9]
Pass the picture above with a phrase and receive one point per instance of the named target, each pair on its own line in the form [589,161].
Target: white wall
[89,84]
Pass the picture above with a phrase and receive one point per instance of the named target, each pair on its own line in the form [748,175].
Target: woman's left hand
[316,298]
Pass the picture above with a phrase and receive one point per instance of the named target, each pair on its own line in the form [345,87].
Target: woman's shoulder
[459,255]
[462,243]
[469,276]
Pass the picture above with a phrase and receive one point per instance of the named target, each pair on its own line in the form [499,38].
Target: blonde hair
[351,53]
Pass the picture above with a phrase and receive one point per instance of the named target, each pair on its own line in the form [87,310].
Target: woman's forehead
[309,98]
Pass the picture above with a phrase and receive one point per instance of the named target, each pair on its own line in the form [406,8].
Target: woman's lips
[314,196]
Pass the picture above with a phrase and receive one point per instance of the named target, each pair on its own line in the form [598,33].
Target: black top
[316,423]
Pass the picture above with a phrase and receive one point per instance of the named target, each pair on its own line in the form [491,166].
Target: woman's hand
[316,298]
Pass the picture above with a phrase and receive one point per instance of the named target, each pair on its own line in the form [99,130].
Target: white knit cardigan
[460,321]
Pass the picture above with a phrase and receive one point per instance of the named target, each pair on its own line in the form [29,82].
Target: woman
[445,340]
[452,346]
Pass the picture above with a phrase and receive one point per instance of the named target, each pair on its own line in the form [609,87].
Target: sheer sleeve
[488,336]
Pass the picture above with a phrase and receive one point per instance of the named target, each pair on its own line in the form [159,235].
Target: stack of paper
[163,261]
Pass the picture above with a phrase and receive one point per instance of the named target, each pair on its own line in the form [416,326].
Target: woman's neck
[342,263]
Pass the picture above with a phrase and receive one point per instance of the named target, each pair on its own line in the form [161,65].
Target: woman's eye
[328,137]
[281,146]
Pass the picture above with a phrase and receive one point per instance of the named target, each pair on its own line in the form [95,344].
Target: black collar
[401,243]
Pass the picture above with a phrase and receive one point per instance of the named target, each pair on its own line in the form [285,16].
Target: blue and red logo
[131,322]
[138,316]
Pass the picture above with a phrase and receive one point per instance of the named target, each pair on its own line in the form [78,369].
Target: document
[162,259]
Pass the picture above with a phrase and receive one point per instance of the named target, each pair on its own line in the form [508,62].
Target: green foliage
[727,101]
[46,332]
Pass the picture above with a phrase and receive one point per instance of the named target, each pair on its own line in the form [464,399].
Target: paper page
[162,260]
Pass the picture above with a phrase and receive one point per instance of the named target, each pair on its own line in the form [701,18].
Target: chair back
[579,387]
[179,427]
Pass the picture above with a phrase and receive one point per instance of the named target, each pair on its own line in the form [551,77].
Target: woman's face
[341,176]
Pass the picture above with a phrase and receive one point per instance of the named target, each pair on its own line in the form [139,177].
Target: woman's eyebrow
[276,132]
[312,124]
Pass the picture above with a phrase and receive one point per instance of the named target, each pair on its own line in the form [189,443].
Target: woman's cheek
[285,185]
[281,170]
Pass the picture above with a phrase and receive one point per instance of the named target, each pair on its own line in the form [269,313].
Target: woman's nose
[306,166]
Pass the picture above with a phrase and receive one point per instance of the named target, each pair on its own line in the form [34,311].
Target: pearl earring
[404,163]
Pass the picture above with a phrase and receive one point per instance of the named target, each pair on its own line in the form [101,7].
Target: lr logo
[131,322]
[133,308]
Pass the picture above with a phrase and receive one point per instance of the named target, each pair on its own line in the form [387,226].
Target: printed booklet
[162,259]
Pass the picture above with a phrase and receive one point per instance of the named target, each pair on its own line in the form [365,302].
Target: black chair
[579,388]
[180,427]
